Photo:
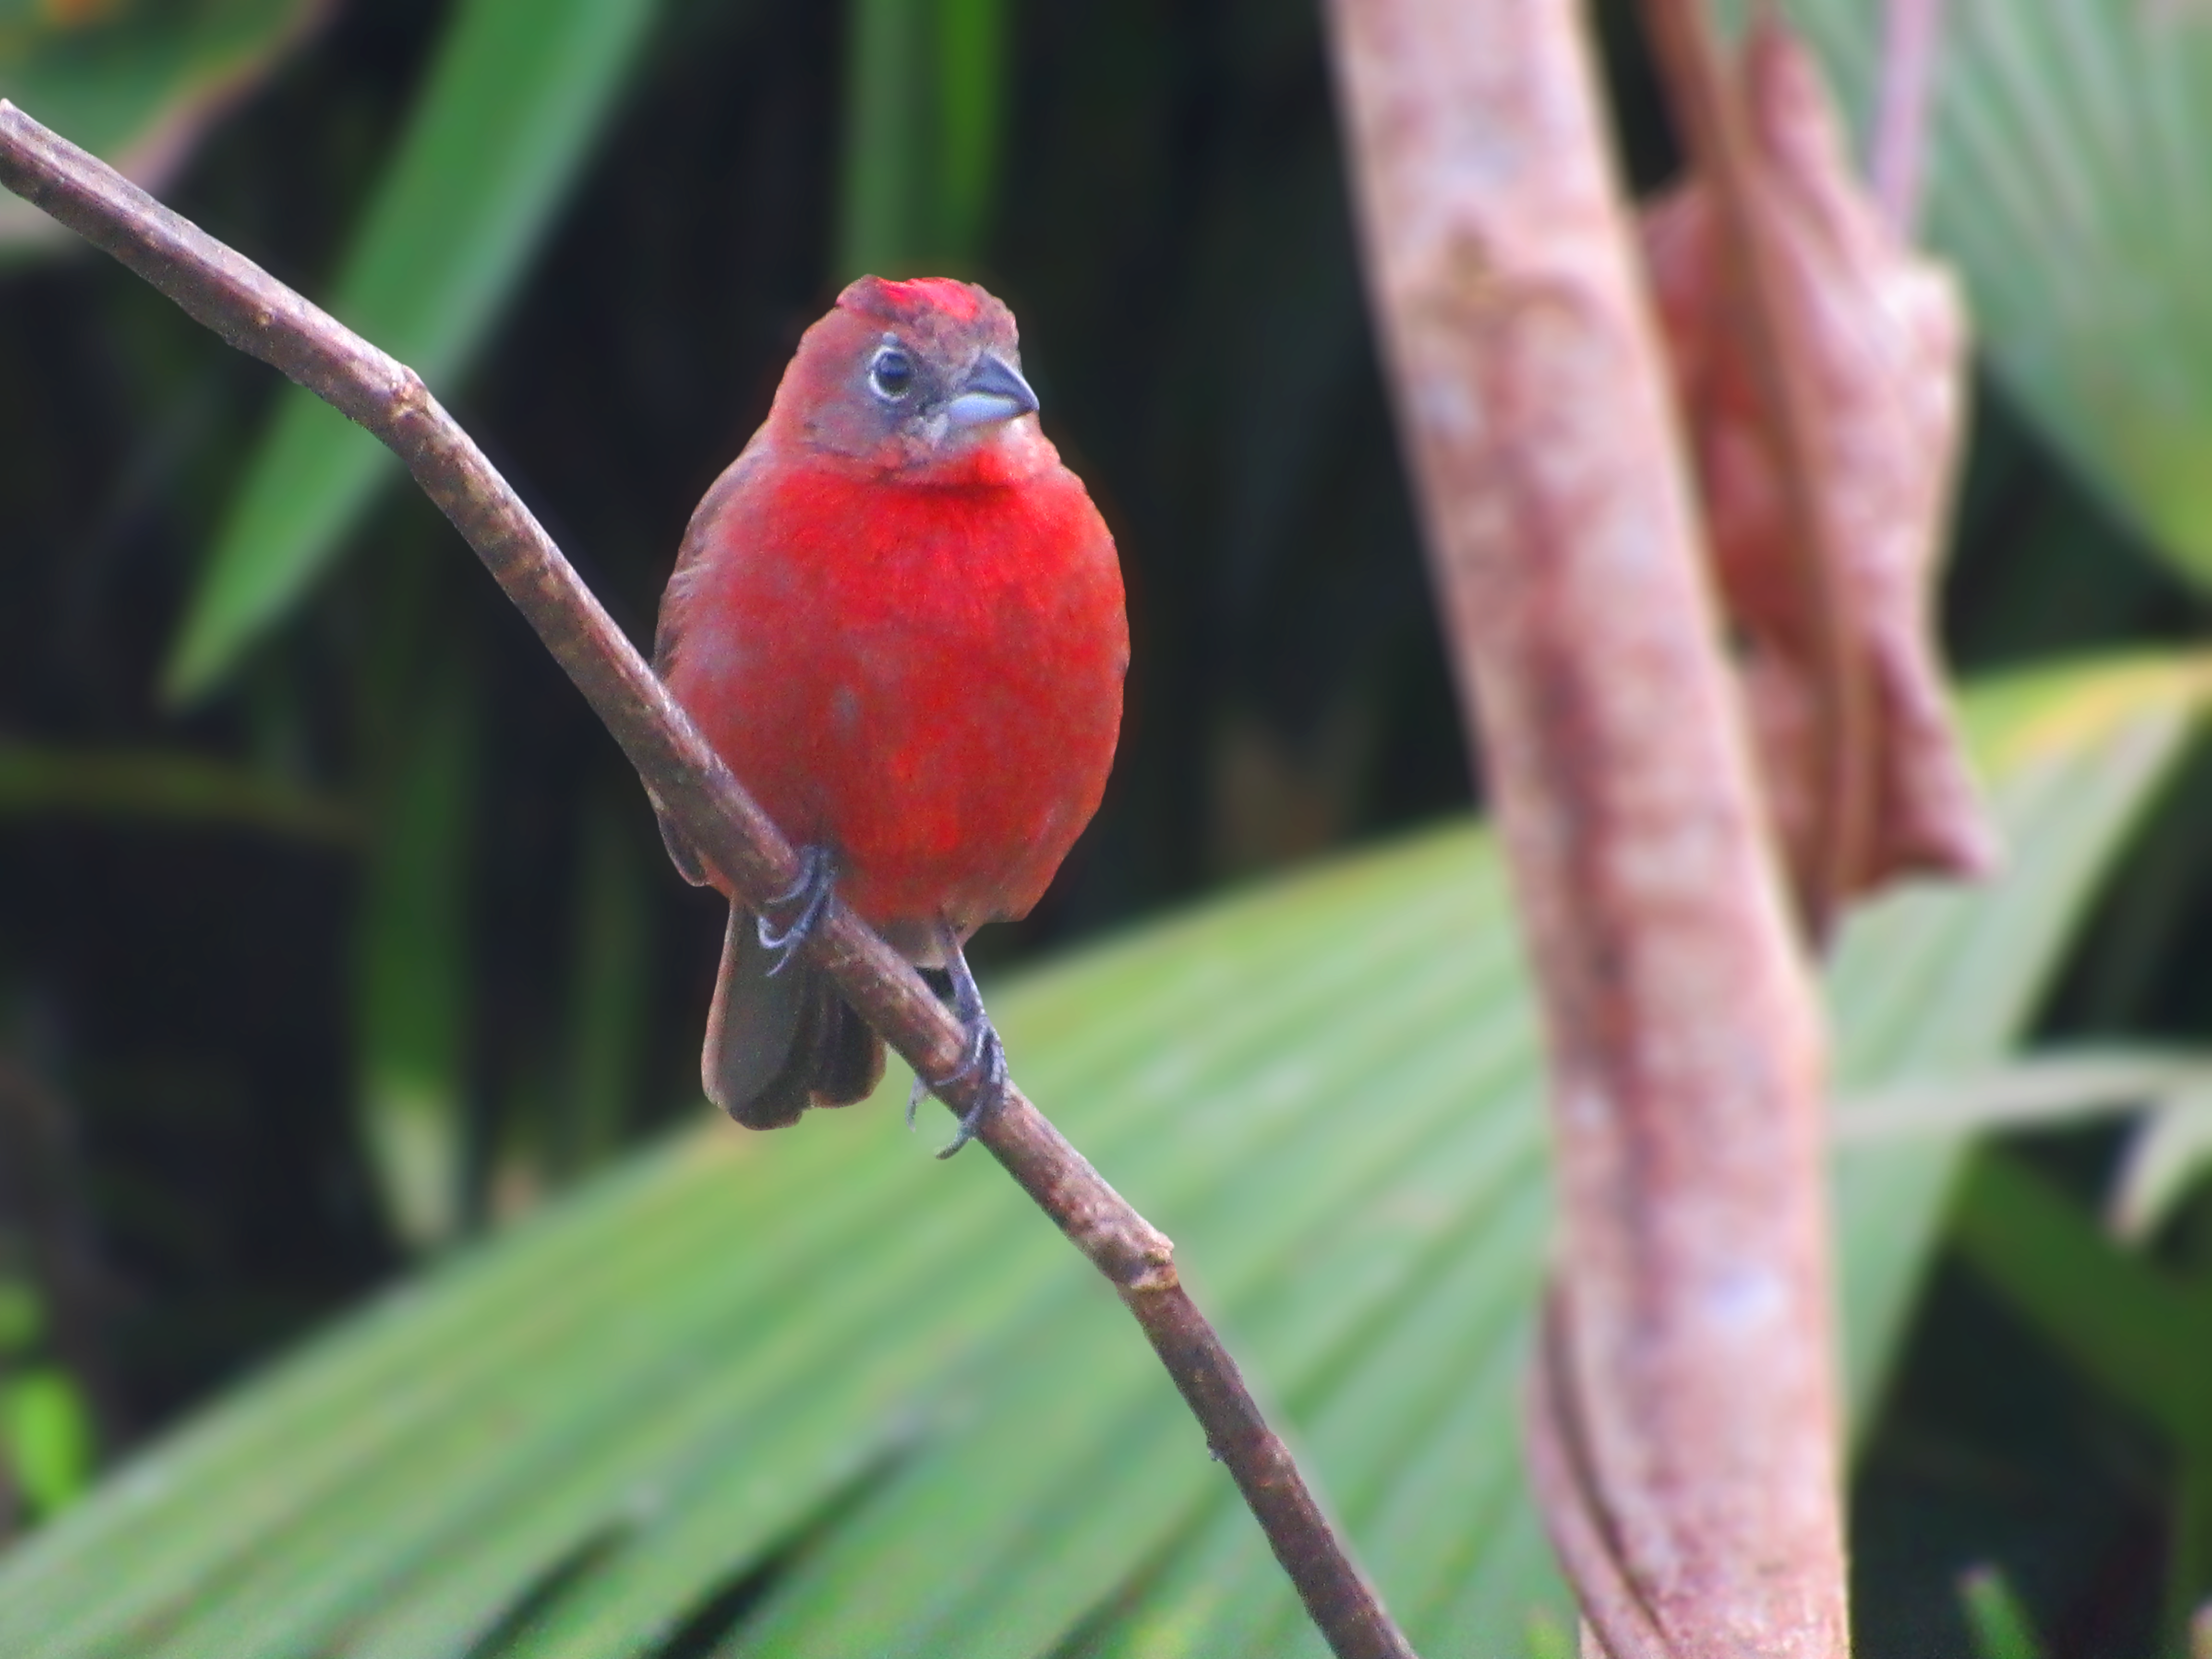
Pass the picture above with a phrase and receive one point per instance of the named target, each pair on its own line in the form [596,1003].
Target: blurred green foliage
[507,113]
[1999,1624]
[2142,1335]
[2072,181]
[132,80]
[821,1394]
[47,1436]
[412,980]
[925,105]
[370,945]
[162,786]
[45,1428]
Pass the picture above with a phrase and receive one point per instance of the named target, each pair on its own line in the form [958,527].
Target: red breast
[899,617]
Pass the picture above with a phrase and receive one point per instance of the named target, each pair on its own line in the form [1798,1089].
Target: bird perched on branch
[898,617]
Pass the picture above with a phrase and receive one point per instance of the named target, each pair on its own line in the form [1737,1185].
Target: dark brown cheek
[848,429]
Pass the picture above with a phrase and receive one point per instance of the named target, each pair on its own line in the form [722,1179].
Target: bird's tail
[777,1043]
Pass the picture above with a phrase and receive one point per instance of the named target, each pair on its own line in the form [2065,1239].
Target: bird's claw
[818,879]
[986,1052]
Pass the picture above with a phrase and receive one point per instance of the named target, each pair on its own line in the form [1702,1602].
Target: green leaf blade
[135,85]
[520,90]
[879,1394]
[2070,179]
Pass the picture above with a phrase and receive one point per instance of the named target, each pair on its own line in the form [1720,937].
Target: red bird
[899,618]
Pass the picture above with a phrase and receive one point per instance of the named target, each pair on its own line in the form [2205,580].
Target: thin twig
[1705,104]
[261,317]
[1912,36]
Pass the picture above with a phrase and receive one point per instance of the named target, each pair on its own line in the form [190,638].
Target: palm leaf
[2070,179]
[817,1393]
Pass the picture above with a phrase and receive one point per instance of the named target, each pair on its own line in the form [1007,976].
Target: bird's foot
[986,1054]
[817,880]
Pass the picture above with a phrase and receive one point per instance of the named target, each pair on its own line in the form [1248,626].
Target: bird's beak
[995,391]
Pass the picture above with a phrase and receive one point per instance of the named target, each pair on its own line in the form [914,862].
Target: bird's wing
[668,632]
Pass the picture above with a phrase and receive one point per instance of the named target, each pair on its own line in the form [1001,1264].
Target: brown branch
[1573,1508]
[1688,1445]
[1911,38]
[1880,335]
[1715,131]
[261,317]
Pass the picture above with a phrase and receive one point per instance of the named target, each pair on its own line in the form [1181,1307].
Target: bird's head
[922,377]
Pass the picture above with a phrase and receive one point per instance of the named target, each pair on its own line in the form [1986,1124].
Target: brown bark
[1685,1412]
[1878,336]
[688,783]
[1912,43]
[1839,716]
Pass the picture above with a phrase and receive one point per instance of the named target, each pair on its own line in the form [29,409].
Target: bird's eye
[891,375]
